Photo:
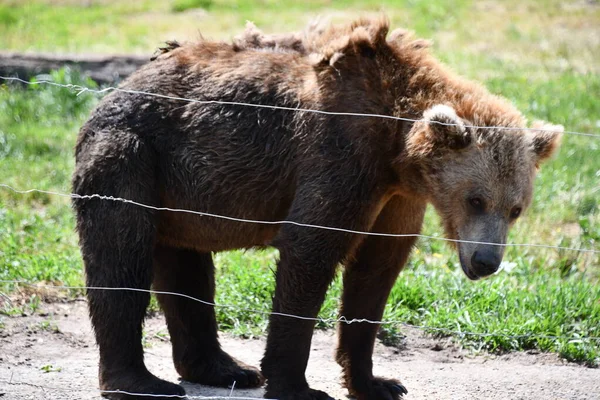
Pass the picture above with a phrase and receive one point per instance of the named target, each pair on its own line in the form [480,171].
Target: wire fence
[341,319]
[80,89]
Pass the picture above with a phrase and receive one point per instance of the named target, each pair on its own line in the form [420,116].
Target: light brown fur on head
[494,167]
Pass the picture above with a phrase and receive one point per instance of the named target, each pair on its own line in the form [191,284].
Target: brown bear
[360,173]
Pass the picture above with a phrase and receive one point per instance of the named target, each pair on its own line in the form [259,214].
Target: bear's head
[480,180]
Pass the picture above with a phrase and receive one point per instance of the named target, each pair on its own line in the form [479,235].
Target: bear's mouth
[465,267]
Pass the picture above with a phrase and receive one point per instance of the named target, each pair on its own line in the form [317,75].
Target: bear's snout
[485,262]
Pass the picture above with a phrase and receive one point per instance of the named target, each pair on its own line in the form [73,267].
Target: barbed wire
[82,89]
[288,222]
[341,319]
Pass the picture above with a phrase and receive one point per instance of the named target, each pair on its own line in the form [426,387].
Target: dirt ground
[52,355]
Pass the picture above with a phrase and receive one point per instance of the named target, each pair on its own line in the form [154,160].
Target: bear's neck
[420,82]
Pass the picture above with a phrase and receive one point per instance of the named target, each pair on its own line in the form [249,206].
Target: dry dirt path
[53,356]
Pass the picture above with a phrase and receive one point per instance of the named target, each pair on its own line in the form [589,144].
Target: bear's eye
[477,203]
[515,212]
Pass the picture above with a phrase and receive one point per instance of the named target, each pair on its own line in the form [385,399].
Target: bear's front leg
[301,283]
[368,280]
[308,261]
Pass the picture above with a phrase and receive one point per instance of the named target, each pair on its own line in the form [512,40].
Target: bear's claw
[221,370]
[400,389]
[380,389]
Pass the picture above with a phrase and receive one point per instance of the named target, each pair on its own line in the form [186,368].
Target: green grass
[37,131]
[524,57]
[184,5]
[443,298]
[142,26]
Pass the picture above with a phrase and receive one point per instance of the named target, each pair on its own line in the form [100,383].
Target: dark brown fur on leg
[197,354]
[288,343]
[308,262]
[118,255]
[367,283]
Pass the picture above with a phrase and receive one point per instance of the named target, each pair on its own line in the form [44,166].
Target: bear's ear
[545,140]
[446,129]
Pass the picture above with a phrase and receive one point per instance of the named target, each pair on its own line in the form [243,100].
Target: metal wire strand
[174,396]
[288,222]
[341,319]
[82,89]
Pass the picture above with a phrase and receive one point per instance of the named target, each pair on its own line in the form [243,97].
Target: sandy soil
[51,355]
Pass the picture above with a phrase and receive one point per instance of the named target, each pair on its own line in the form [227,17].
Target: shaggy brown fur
[367,174]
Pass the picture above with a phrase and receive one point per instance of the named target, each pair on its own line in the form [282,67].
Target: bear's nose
[485,262]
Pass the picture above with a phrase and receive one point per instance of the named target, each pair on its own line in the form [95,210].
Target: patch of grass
[37,130]
[142,26]
[50,368]
[7,16]
[245,277]
[505,305]
[472,35]
[47,326]
[183,5]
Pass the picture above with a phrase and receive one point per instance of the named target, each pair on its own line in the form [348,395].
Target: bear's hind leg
[117,316]
[197,355]
[116,242]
